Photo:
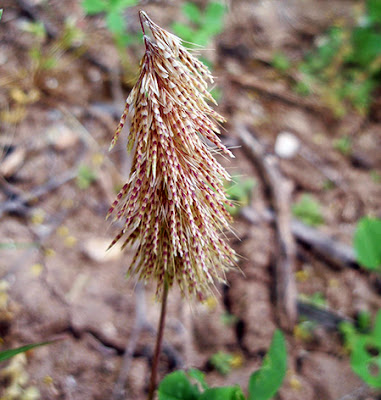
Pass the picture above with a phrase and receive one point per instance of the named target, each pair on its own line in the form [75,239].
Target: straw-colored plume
[173,202]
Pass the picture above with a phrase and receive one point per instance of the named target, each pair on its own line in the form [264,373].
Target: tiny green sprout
[343,145]
[6,354]
[304,330]
[18,245]
[229,319]
[114,17]
[365,350]
[263,384]
[307,209]
[366,242]
[376,176]
[216,93]
[203,24]
[374,11]
[1,13]
[317,299]
[281,62]
[364,320]
[328,185]
[86,176]
[303,88]
[222,362]
[239,191]
[37,29]
[344,68]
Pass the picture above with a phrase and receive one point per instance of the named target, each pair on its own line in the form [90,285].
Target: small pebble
[286,145]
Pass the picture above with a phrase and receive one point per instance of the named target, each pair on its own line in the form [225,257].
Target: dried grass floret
[173,202]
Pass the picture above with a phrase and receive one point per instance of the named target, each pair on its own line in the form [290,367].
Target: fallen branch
[272,90]
[280,189]
[52,31]
[337,253]
[327,318]
[20,203]
[119,392]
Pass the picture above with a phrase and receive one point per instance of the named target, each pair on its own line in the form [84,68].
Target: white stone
[286,145]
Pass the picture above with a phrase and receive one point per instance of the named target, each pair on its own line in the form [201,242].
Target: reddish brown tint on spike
[173,202]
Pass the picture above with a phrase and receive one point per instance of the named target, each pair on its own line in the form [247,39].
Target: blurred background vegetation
[304,78]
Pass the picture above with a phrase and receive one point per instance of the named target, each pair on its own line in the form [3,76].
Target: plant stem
[159,340]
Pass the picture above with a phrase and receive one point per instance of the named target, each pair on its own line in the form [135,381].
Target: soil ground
[57,281]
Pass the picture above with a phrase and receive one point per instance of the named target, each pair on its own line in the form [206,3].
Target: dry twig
[20,203]
[335,252]
[140,321]
[269,89]
[281,197]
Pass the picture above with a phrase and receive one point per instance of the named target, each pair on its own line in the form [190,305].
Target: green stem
[159,340]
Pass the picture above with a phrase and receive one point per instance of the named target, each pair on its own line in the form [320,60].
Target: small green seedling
[49,57]
[263,384]
[115,21]
[308,210]
[86,176]
[222,362]
[343,145]
[304,330]
[317,299]
[364,321]
[367,241]
[7,354]
[376,176]
[202,25]
[281,62]
[344,69]
[229,319]
[239,191]
[365,349]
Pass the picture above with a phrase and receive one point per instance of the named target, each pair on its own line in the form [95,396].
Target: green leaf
[281,62]
[367,241]
[215,10]
[265,383]
[365,351]
[115,22]
[192,12]
[49,63]
[6,354]
[374,10]
[221,361]
[343,145]
[121,5]
[199,377]
[176,386]
[1,13]
[364,363]
[201,37]
[366,45]
[364,320]
[308,210]
[239,190]
[223,393]
[183,31]
[317,299]
[18,245]
[94,6]
[86,176]
[213,19]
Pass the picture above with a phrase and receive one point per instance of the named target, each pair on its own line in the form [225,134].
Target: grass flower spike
[173,202]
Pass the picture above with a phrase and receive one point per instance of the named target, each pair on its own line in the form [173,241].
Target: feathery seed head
[173,202]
